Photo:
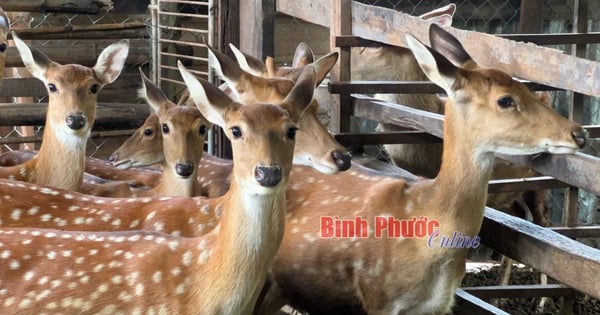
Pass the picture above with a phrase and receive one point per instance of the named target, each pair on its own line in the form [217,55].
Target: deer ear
[447,45]
[301,95]
[213,103]
[4,22]
[248,63]
[111,61]
[35,61]
[437,68]
[303,55]
[446,11]
[156,99]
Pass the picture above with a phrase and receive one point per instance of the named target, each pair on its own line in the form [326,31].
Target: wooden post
[257,27]
[571,212]
[530,18]
[341,17]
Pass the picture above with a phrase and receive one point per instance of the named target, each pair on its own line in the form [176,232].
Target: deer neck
[172,184]
[249,236]
[60,161]
[462,183]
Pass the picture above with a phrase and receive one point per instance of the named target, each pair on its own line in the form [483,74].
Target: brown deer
[141,272]
[400,258]
[72,93]
[183,132]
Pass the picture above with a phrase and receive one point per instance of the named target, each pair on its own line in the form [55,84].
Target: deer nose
[342,160]
[184,169]
[581,138]
[75,121]
[268,176]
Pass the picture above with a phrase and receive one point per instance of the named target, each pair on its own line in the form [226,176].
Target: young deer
[183,132]
[4,29]
[142,272]
[413,271]
[72,93]
[314,145]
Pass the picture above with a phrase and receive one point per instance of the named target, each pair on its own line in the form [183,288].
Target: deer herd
[205,235]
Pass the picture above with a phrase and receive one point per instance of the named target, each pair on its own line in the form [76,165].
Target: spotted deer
[46,207]
[314,145]
[55,271]
[4,29]
[72,97]
[183,132]
[397,63]
[396,269]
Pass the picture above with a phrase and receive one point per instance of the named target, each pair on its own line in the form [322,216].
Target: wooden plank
[579,169]
[526,61]
[520,291]
[108,115]
[577,231]
[306,9]
[561,258]
[538,39]
[531,17]
[470,304]
[522,184]
[408,117]
[399,87]
[83,53]
[373,138]
[57,6]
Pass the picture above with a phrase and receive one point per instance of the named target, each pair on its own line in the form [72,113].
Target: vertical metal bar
[155,66]
[211,75]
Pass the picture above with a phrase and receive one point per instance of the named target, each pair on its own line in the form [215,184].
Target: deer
[377,270]
[315,146]
[4,31]
[398,63]
[183,132]
[46,270]
[72,98]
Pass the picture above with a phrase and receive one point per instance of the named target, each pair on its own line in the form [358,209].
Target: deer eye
[202,130]
[2,47]
[165,128]
[148,132]
[236,132]
[505,102]
[94,88]
[52,87]
[291,133]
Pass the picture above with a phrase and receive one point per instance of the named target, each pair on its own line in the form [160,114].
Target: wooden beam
[520,291]
[577,231]
[108,115]
[305,10]
[257,27]
[523,184]
[539,64]
[531,18]
[57,6]
[561,258]
[96,32]
[467,303]
[400,87]
[373,138]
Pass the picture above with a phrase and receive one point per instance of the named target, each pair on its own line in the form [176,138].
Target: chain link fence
[488,16]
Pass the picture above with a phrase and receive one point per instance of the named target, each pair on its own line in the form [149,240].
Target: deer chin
[252,187]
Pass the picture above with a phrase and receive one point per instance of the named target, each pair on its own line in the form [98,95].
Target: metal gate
[180,30]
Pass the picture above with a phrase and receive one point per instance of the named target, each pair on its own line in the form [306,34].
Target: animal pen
[163,31]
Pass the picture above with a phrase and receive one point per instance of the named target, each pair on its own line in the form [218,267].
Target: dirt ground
[584,305]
